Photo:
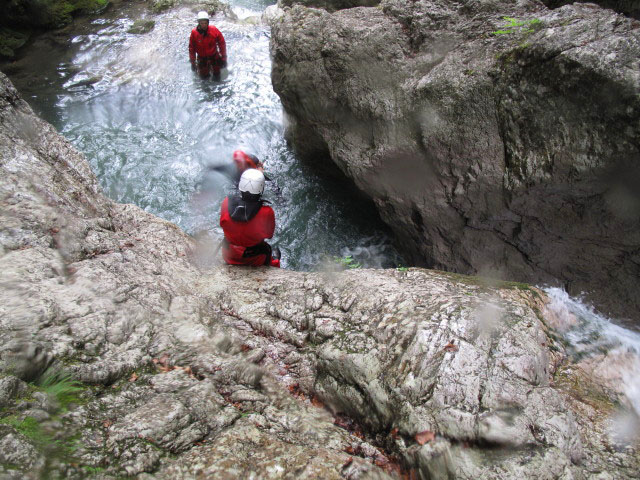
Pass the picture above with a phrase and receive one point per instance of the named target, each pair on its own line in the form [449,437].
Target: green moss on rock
[46,13]
[576,383]
[11,40]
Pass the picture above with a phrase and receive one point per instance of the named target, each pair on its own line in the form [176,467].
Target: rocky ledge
[123,352]
[493,136]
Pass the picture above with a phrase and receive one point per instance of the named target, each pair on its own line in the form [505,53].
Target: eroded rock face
[627,7]
[258,373]
[329,5]
[487,144]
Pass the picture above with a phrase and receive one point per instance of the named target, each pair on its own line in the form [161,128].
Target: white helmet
[203,16]
[252,181]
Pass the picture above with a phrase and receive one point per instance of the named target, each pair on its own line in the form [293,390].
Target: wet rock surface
[329,5]
[142,26]
[627,7]
[182,371]
[492,136]
[210,6]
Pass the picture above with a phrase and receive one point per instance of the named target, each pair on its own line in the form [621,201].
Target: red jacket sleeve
[269,225]
[192,48]
[224,211]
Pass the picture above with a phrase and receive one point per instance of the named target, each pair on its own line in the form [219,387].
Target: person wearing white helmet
[207,48]
[246,222]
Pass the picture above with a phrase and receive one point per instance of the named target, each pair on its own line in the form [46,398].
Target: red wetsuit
[245,233]
[210,49]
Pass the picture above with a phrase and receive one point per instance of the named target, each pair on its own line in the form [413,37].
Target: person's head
[251,184]
[203,20]
[244,161]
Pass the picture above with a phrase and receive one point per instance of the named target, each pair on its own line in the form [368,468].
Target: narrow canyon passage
[150,128]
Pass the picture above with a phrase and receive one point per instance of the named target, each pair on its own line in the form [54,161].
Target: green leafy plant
[515,25]
[402,268]
[347,262]
[63,391]
[61,386]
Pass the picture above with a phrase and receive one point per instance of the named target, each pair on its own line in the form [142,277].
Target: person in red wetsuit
[207,46]
[246,222]
[241,162]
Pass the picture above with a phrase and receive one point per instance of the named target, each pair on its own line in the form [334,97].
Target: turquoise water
[150,128]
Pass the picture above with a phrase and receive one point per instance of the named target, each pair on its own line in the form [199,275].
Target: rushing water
[612,352]
[150,128]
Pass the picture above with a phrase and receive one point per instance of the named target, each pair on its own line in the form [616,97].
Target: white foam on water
[592,334]
[592,329]
[244,13]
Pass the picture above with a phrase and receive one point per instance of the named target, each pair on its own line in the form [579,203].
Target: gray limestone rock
[10,388]
[329,5]
[142,26]
[25,360]
[17,451]
[627,7]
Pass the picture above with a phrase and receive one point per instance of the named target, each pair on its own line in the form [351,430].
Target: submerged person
[242,161]
[246,222]
[208,48]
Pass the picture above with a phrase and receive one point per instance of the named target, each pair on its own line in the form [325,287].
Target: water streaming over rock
[608,350]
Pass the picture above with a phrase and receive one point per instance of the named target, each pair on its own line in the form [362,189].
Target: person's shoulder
[214,29]
[267,210]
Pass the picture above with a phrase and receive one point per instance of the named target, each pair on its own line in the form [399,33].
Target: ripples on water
[150,128]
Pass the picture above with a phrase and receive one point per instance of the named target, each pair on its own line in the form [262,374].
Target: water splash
[611,352]
[587,330]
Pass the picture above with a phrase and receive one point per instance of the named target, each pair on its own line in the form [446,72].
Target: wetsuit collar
[243,210]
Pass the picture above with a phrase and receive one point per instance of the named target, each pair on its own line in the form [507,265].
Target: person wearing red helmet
[241,162]
[208,47]
[247,222]
[244,161]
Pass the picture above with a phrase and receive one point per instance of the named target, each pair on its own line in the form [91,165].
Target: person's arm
[192,50]
[222,47]
[269,222]
[224,208]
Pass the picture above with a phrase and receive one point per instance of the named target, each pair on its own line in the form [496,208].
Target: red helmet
[244,161]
